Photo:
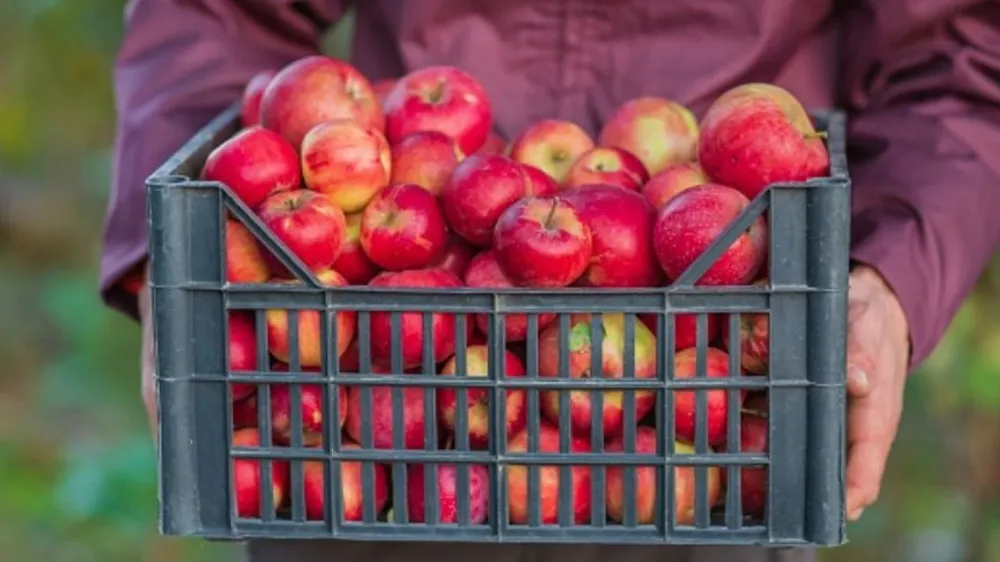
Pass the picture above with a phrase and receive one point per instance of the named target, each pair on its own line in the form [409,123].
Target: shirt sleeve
[923,95]
[182,62]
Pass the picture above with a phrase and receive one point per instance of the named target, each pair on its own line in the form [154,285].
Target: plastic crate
[805,300]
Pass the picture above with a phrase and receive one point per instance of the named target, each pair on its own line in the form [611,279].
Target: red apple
[757,402]
[346,162]
[608,166]
[353,263]
[693,220]
[755,339]
[646,481]
[757,134]
[716,400]
[548,489]
[316,89]
[478,402]
[352,492]
[403,228]
[484,271]
[480,189]
[381,89]
[621,225]
[252,94]
[242,350]
[245,413]
[613,366]
[540,183]
[312,399]
[309,326]
[439,98]
[412,327]
[446,476]
[425,158]
[247,477]
[754,431]
[455,257]
[254,164]
[662,187]
[542,242]
[245,261]
[552,146]
[309,225]
[685,328]
[657,131]
[381,416]
[495,144]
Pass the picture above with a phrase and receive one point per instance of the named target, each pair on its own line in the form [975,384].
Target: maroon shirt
[919,78]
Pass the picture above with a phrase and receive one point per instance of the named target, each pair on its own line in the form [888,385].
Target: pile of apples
[404,183]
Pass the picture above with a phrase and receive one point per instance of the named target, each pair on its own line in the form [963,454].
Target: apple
[754,429]
[446,476]
[352,491]
[658,131]
[455,257]
[254,164]
[485,272]
[245,261]
[439,98]
[478,402]
[309,326]
[548,476]
[552,146]
[403,228]
[716,400]
[247,477]
[662,187]
[608,166]
[412,327]
[316,89]
[542,242]
[308,223]
[353,263]
[381,416]
[621,225]
[685,328]
[425,158]
[495,144]
[757,134]
[693,220]
[245,412]
[479,190]
[540,183]
[312,398]
[646,482]
[612,344]
[346,162]
[381,89]
[242,350]
[755,339]
[757,402]
[252,94]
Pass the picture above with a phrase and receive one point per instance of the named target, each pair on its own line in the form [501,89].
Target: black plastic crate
[805,302]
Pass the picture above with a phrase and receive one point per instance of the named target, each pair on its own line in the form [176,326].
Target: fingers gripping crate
[661,465]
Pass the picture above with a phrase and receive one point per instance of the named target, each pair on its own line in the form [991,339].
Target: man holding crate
[918,79]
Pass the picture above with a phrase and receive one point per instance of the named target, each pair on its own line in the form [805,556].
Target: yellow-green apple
[308,223]
[755,339]
[646,481]
[612,342]
[242,350]
[480,189]
[315,89]
[484,271]
[542,242]
[382,415]
[754,429]
[478,421]
[541,184]
[353,263]
[658,131]
[756,134]
[252,94]
[403,228]
[621,225]
[245,261]
[717,400]
[455,257]
[312,398]
[254,163]
[693,220]
[412,326]
[548,476]
[247,477]
[352,491]
[425,158]
[552,146]
[446,476]
[439,98]
[608,166]
[662,187]
[346,162]
[309,326]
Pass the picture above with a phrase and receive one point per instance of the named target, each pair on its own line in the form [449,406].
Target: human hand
[877,361]
[147,357]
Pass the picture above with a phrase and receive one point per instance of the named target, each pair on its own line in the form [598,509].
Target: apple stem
[552,212]
[815,135]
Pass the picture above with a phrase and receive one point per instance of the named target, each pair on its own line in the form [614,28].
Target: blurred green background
[76,462]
